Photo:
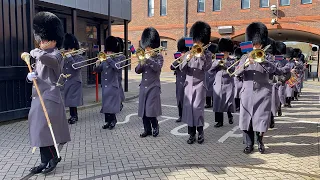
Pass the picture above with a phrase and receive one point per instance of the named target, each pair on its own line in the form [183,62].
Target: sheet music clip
[62,79]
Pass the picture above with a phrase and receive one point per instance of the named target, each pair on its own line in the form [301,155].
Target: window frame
[307,2]
[280,4]
[249,4]
[149,10]
[214,4]
[204,6]
[166,42]
[161,13]
[264,6]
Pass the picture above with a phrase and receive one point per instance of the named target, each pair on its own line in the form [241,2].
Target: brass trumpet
[141,54]
[258,55]
[72,52]
[101,56]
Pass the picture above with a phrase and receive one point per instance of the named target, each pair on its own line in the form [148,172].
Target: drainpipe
[109,18]
[185,17]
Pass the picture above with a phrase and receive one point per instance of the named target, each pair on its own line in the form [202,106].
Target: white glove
[98,62]
[31,76]
[68,55]
[147,56]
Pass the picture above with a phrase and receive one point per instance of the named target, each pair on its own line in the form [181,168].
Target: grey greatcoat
[223,87]
[111,99]
[48,67]
[72,89]
[121,58]
[281,87]
[290,90]
[255,94]
[237,86]
[195,90]
[150,87]
[209,80]
[180,79]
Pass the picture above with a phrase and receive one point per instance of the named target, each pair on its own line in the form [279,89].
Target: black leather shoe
[248,149]
[178,120]
[191,139]
[272,125]
[76,118]
[52,165]
[207,106]
[38,169]
[155,132]
[145,134]
[231,120]
[106,126]
[201,138]
[219,124]
[72,120]
[237,109]
[112,124]
[261,147]
[280,112]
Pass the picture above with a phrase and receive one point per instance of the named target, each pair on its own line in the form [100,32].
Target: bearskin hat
[70,42]
[200,32]
[272,49]
[238,53]
[48,26]
[296,52]
[289,52]
[281,48]
[213,48]
[120,44]
[225,45]
[150,38]
[257,32]
[181,46]
[112,44]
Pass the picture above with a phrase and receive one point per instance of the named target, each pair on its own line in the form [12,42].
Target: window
[150,8]
[91,32]
[306,1]
[201,5]
[245,4]
[164,44]
[163,7]
[216,5]
[284,2]
[264,3]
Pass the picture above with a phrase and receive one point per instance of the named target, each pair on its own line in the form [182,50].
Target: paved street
[94,153]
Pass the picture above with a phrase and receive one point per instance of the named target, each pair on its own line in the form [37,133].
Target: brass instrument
[101,57]
[141,55]
[72,52]
[257,55]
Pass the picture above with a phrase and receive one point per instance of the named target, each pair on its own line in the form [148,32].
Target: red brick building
[294,20]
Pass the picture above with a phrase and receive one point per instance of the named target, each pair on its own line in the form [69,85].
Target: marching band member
[223,86]
[255,108]
[238,80]
[72,90]
[111,99]
[150,87]
[180,77]
[299,67]
[289,90]
[209,79]
[48,33]
[195,91]
[121,58]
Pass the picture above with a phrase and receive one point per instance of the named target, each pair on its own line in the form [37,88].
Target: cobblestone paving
[94,153]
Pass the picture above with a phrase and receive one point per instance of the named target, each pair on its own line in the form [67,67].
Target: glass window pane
[284,2]
[164,44]
[306,1]
[150,8]
[264,3]
[163,7]
[216,5]
[201,5]
[245,4]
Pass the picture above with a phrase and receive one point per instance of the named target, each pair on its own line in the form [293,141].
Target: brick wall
[296,16]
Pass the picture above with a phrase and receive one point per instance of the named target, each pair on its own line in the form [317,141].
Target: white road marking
[230,134]
[176,132]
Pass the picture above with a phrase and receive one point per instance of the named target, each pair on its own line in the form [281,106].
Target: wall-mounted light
[274,10]
[274,21]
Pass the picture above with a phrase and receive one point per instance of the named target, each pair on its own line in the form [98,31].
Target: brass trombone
[258,55]
[101,56]
[72,52]
[141,55]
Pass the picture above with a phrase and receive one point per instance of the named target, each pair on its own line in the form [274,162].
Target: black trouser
[288,100]
[192,130]
[237,101]
[108,117]
[73,111]
[272,118]
[47,153]
[249,136]
[180,109]
[148,122]
[209,101]
[219,116]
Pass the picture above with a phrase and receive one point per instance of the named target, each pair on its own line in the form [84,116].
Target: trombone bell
[258,55]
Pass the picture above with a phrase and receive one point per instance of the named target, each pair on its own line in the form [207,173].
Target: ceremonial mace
[26,58]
